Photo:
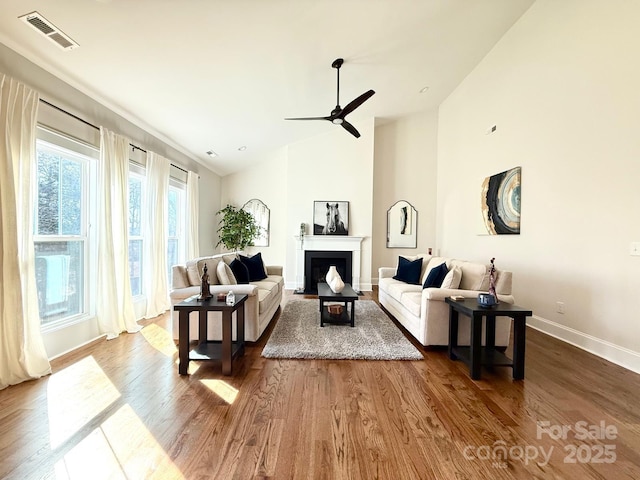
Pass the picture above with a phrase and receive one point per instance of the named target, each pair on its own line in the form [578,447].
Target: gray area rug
[375,337]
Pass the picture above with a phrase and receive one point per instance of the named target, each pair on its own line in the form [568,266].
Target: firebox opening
[316,266]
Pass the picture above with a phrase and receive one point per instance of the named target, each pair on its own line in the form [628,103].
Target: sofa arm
[245,288]
[386,272]
[442,293]
[179,277]
[274,270]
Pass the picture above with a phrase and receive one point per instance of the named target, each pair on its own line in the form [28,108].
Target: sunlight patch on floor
[76,395]
[221,388]
[160,339]
[121,448]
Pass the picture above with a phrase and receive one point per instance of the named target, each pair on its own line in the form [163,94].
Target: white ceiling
[220,74]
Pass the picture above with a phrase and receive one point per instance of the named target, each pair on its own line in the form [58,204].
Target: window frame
[181,224]
[87,155]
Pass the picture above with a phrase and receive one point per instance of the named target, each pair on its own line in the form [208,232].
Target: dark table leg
[453,332]
[202,326]
[240,328]
[226,342]
[353,312]
[476,346]
[183,342]
[519,341]
[321,312]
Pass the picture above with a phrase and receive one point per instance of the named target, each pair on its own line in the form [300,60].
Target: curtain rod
[82,120]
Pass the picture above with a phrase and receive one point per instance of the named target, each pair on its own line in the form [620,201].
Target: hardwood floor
[119,409]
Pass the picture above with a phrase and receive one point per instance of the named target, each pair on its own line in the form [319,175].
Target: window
[177,225]
[61,232]
[136,202]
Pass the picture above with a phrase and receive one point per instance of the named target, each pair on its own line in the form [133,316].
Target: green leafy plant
[238,229]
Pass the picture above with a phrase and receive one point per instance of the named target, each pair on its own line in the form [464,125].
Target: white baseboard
[614,353]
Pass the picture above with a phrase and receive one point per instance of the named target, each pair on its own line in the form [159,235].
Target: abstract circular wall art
[500,202]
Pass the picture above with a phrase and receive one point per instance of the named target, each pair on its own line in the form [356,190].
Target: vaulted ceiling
[223,74]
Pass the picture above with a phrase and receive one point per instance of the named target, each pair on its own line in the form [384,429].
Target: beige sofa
[424,313]
[264,299]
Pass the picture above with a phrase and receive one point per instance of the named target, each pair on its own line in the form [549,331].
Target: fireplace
[317,263]
[329,245]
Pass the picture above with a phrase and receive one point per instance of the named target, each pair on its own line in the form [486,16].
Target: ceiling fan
[337,114]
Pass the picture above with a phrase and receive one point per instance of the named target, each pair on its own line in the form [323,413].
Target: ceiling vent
[49,30]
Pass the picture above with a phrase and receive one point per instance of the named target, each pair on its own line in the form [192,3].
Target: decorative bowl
[486,300]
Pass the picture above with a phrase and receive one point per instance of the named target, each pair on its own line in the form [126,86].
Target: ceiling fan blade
[351,129]
[309,118]
[356,103]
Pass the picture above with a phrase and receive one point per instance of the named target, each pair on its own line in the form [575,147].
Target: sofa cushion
[397,289]
[255,267]
[474,275]
[452,279]
[436,276]
[240,271]
[195,270]
[225,274]
[412,301]
[409,271]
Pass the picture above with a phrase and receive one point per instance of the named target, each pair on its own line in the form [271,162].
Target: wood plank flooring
[119,409]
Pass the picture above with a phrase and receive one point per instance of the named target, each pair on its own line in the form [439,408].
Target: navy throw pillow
[240,271]
[255,265]
[409,271]
[436,276]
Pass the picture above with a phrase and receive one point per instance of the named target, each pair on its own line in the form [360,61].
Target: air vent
[49,30]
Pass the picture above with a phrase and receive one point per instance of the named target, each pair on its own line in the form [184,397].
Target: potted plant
[238,229]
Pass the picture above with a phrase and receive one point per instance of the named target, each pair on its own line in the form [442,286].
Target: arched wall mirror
[261,213]
[402,225]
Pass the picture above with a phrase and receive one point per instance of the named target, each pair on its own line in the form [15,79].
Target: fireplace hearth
[317,263]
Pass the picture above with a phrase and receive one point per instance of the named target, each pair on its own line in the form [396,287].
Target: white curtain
[193,244]
[155,225]
[22,352]
[114,303]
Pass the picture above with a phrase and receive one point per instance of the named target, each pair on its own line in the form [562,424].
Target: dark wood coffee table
[347,296]
[225,350]
[476,355]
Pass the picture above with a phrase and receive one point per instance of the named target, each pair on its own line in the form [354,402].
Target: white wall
[562,89]
[266,180]
[405,169]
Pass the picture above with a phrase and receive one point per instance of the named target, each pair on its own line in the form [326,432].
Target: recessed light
[424,89]
[242,148]
[212,154]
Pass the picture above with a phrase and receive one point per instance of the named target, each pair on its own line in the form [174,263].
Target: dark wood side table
[225,350]
[475,355]
[347,296]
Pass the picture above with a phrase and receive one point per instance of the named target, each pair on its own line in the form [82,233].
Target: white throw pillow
[452,279]
[225,275]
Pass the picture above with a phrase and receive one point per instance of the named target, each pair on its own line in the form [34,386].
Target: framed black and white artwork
[330,218]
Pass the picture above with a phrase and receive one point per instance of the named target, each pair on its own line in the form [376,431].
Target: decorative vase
[336,285]
[334,280]
[331,274]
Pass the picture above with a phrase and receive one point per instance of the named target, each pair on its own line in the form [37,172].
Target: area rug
[298,334]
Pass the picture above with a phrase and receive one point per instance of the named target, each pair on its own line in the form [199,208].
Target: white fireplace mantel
[329,243]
